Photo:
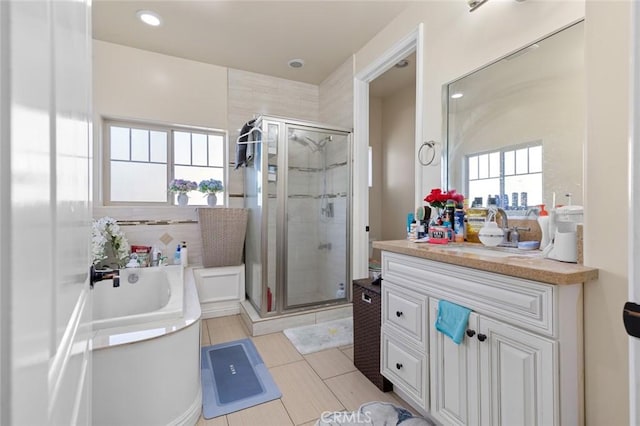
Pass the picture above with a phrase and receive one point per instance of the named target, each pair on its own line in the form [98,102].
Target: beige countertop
[525,264]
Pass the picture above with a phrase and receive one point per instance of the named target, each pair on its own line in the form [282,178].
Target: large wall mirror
[516,128]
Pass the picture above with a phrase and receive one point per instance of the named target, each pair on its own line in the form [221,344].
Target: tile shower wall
[334,228]
[183,227]
[305,278]
[250,94]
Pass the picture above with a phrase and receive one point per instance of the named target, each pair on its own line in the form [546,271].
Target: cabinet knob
[399,314]
[482,337]
[398,365]
[471,333]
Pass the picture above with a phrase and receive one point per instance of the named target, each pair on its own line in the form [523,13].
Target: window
[141,159]
[512,174]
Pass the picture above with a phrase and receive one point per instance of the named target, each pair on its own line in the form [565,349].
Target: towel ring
[431,149]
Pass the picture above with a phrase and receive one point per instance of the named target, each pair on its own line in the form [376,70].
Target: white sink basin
[492,251]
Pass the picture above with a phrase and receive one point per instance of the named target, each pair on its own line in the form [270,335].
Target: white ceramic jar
[490,234]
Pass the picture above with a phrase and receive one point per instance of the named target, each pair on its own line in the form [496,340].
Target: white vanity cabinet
[520,362]
[497,367]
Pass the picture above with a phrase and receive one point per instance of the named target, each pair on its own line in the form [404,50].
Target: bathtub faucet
[103,274]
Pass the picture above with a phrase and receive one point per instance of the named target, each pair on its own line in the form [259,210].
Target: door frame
[634,207]
[399,50]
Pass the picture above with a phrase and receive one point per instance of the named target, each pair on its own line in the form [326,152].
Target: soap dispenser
[543,221]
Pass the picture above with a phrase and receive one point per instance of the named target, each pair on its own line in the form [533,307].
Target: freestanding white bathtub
[146,349]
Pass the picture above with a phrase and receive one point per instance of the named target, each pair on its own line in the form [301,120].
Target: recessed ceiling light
[457,95]
[403,63]
[149,17]
[296,63]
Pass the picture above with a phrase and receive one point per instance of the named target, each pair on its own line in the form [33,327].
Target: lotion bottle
[184,260]
[176,256]
[543,221]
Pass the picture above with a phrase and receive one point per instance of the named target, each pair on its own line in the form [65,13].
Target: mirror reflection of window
[511,175]
[535,94]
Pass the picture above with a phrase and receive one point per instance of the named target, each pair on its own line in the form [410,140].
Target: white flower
[107,231]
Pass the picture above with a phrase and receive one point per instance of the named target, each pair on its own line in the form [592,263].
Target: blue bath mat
[234,377]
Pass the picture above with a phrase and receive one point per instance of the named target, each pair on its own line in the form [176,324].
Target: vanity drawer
[406,368]
[524,303]
[405,310]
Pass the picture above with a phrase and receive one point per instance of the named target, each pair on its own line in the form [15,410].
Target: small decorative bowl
[490,235]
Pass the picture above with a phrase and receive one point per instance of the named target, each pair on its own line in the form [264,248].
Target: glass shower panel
[317,186]
[271,136]
[253,201]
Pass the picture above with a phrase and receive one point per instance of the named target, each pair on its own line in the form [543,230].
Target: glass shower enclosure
[297,190]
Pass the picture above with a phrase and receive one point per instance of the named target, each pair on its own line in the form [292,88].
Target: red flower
[438,199]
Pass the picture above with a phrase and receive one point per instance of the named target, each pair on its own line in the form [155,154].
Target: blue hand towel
[452,320]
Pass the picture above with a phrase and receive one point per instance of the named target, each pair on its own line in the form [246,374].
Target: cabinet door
[455,373]
[517,376]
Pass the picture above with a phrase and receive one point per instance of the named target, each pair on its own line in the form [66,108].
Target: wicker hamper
[367,320]
[223,231]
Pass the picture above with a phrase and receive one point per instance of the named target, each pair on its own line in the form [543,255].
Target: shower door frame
[280,303]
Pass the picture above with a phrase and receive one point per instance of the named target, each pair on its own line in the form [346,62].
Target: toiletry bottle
[450,212]
[156,254]
[410,220]
[543,221]
[184,254]
[340,293]
[476,217]
[176,256]
[458,224]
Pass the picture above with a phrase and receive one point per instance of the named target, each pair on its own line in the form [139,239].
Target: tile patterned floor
[310,384]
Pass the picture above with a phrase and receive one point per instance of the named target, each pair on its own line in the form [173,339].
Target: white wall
[336,96]
[458,42]
[608,90]
[139,84]
[398,165]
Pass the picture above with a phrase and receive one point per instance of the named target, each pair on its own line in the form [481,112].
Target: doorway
[403,48]
[392,105]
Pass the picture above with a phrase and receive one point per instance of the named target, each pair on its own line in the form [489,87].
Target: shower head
[321,143]
[313,145]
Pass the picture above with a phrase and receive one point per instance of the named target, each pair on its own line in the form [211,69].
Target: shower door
[315,216]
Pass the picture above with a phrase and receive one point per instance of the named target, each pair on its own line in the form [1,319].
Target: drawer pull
[366,298]
[482,337]
[471,333]
[399,314]
[398,365]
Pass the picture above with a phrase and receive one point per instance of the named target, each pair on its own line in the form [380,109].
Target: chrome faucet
[504,225]
[104,274]
[493,212]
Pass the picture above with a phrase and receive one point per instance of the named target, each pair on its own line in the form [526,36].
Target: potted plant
[210,187]
[109,245]
[181,187]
